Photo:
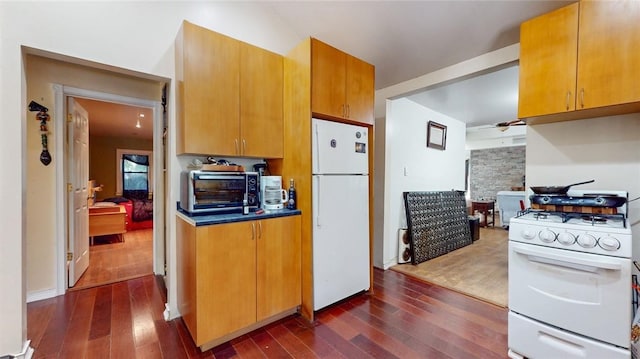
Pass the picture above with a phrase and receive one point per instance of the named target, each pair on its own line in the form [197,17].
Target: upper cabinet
[580,61]
[342,86]
[229,96]
[548,63]
[261,98]
[608,53]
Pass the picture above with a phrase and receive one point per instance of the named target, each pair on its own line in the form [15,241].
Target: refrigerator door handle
[317,189]
[317,154]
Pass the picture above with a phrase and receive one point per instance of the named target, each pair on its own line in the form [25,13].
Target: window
[134,171]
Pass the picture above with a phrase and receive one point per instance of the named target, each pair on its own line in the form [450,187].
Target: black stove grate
[566,216]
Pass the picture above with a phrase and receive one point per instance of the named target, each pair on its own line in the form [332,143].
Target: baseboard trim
[40,295]
[26,353]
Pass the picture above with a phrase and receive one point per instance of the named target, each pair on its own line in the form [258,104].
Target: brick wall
[495,169]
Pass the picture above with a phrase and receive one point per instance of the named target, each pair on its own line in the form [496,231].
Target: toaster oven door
[218,191]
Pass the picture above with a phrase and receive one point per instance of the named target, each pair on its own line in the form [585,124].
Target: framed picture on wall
[436,135]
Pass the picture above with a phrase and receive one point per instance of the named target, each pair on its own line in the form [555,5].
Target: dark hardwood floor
[404,318]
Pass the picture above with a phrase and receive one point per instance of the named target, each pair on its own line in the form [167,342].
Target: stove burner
[594,219]
[541,215]
[615,220]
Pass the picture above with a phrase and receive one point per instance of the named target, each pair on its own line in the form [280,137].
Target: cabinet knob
[568,99]
[582,97]
[237,147]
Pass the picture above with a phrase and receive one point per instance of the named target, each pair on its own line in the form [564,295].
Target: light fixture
[141,115]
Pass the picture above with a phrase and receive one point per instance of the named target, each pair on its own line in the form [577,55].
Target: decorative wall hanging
[436,135]
[43,117]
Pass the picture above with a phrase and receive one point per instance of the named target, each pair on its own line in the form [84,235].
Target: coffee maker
[271,193]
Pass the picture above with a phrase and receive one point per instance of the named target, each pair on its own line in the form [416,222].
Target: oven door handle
[568,261]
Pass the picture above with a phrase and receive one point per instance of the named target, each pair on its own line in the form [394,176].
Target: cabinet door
[548,46]
[279,266]
[608,53]
[360,90]
[210,95]
[261,102]
[328,78]
[226,275]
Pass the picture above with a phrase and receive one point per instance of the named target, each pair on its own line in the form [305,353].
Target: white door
[340,237]
[339,148]
[78,172]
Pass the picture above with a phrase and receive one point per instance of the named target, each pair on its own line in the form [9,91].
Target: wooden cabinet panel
[360,90]
[608,53]
[226,269]
[547,63]
[186,274]
[261,98]
[328,78]
[342,86]
[209,80]
[278,263]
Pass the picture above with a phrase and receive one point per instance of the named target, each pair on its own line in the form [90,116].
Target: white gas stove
[570,283]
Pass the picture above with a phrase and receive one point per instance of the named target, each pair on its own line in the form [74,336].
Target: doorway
[152,236]
[120,172]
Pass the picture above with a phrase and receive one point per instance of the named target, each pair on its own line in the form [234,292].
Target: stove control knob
[609,243]
[566,238]
[528,234]
[587,241]
[547,236]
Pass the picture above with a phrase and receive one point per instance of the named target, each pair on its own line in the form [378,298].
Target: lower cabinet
[236,277]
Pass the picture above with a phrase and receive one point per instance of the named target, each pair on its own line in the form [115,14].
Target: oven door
[585,293]
[218,191]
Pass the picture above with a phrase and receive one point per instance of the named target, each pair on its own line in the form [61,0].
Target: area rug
[478,270]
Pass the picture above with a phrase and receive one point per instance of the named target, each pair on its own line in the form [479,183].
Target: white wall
[412,166]
[604,149]
[136,36]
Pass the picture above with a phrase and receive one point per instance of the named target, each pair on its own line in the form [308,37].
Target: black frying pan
[555,189]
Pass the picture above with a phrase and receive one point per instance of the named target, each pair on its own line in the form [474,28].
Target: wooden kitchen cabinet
[608,53]
[229,96]
[342,86]
[580,61]
[261,98]
[278,266]
[236,277]
[208,101]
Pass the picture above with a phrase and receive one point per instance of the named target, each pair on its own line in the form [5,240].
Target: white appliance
[340,211]
[272,193]
[570,292]
[509,204]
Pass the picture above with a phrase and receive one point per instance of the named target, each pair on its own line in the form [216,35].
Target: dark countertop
[205,220]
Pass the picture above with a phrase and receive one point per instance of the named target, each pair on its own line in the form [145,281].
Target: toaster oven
[205,192]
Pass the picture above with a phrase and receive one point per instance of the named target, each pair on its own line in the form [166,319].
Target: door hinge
[69,256]
[69,118]
[69,187]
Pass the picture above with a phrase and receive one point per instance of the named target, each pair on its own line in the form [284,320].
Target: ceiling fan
[503,126]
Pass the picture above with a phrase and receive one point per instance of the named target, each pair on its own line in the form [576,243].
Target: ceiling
[108,119]
[483,100]
[408,39]
[404,40]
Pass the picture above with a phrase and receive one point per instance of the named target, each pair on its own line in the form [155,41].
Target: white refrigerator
[340,211]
